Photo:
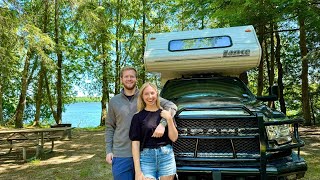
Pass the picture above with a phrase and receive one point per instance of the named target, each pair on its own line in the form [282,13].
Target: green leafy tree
[9,58]
[96,19]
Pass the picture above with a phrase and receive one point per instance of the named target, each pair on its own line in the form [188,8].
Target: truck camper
[225,131]
[227,51]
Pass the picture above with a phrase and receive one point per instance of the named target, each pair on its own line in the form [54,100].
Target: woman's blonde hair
[140,103]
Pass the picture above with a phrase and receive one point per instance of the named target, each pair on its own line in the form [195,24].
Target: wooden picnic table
[23,138]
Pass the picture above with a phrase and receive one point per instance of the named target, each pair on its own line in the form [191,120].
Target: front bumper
[292,167]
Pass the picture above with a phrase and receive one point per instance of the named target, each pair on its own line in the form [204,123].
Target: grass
[35,162]
[83,158]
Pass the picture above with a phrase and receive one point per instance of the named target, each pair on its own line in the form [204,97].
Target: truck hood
[223,106]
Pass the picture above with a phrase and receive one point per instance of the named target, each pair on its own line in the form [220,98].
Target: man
[121,109]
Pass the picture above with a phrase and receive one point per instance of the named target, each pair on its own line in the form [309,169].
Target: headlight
[281,134]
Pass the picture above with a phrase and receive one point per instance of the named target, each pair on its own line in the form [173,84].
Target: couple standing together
[139,132]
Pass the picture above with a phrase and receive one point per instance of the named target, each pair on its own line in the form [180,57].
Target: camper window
[200,43]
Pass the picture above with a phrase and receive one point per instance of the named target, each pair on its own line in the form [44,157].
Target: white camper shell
[226,51]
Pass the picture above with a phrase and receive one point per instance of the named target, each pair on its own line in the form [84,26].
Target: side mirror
[274,91]
[273,94]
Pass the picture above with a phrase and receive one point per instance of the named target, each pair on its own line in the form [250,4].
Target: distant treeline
[87,99]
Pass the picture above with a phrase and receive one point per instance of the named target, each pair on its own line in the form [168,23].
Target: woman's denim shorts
[158,162]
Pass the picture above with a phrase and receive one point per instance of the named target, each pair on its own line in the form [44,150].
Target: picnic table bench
[25,138]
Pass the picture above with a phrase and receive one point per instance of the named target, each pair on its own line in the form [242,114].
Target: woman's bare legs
[167,177]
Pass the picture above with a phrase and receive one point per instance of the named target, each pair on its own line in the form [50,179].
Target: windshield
[206,88]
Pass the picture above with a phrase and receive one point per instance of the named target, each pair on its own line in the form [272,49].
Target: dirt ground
[83,157]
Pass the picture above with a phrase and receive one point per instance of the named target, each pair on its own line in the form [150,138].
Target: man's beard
[130,87]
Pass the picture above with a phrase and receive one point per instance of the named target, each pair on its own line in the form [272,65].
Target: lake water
[86,114]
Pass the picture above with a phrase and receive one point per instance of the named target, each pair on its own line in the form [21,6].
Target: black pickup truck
[226,132]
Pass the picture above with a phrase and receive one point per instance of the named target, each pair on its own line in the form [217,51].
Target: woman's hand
[172,130]
[166,114]
[139,176]
[159,131]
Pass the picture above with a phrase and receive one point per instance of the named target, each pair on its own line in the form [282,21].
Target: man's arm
[110,128]
[169,106]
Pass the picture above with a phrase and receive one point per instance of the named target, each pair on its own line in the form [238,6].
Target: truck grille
[217,138]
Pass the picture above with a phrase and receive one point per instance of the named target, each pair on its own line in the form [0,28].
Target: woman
[153,157]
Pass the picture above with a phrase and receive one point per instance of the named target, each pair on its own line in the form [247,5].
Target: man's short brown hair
[127,68]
